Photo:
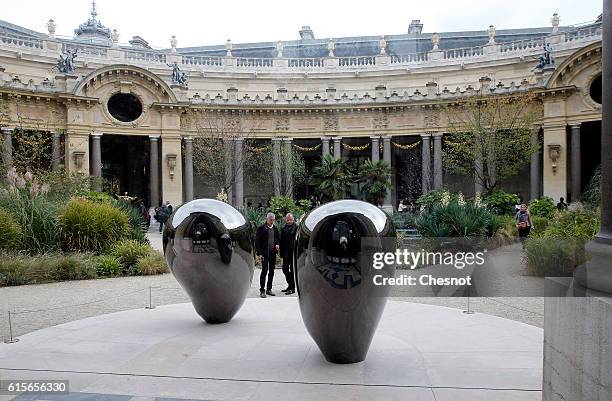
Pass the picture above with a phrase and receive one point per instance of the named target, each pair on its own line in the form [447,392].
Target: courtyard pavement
[420,352]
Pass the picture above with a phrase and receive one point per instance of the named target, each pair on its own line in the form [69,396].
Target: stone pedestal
[577,345]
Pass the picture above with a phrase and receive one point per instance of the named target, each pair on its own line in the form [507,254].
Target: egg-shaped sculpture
[339,301]
[209,248]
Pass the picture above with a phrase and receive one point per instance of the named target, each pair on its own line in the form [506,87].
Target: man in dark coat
[287,243]
[267,245]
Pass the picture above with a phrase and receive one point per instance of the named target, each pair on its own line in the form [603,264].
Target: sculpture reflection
[209,248]
[339,302]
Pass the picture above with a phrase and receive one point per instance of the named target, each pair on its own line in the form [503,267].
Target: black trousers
[288,271]
[267,268]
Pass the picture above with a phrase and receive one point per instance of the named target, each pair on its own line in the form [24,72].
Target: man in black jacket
[287,243]
[267,245]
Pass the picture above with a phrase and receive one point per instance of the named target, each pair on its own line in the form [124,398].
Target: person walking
[287,243]
[562,205]
[163,213]
[523,223]
[267,245]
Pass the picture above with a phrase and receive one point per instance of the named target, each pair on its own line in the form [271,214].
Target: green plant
[13,270]
[455,219]
[92,227]
[333,178]
[546,256]
[128,252]
[592,195]
[255,217]
[94,196]
[108,266]
[74,267]
[539,225]
[500,202]
[376,177]
[434,197]
[543,207]
[138,226]
[26,199]
[281,205]
[44,268]
[403,220]
[10,232]
[152,263]
[573,224]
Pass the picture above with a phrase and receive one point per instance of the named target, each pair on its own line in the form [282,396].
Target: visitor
[523,223]
[162,214]
[287,243]
[401,207]
[517,207]
[144,213]
[267,245]
[562,205]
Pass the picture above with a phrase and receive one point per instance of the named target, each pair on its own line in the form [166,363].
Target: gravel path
[34,307]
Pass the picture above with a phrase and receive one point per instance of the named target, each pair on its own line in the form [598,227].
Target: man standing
[267,245]
[287,243]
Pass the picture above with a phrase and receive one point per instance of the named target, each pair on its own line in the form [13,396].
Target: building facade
[130,114]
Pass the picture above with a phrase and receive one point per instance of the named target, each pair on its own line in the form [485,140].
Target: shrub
[26,200]
[108,266]
[21,269]
[500,202]
[138,226]
[10,232]
[255,217]
[539,225]
[403,220]
[94,196]
[281,205]
[152,263]
[13,271]
[128,252]
[455,219]
[435,197]
[553,256]
[543,207]
[573,224]
[92,227]
[74,267]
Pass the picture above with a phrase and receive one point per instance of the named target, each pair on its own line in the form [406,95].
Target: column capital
[425,136]
[575,125]
[325,138]
[386,137]
[188,139]
[7,129]
[96,135]
[277,139]
[337,138]
[437,135]
[56,134]
[154,137]
[287,139]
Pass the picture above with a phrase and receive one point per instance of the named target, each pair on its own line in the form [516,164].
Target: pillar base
[596,273]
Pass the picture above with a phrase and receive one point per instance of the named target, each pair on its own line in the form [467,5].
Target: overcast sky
[202,22]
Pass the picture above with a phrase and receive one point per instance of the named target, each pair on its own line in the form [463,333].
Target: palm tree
[377,179]
[333,178]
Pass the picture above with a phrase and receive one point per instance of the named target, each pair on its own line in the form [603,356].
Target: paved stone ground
[39,306]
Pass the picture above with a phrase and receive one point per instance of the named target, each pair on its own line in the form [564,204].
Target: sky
[202,22]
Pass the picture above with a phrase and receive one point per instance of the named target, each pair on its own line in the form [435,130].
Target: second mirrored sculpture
[209,248]
[339,302]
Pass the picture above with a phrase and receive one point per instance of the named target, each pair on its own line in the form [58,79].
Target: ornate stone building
[127,112]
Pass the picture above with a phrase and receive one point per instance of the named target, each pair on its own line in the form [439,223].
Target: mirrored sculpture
[339,302]
[209,248]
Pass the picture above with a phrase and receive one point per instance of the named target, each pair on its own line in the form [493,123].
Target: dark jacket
[261,239]
[287,240]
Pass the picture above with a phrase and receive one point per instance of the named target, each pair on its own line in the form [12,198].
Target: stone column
[576,182]
[387,205]
[188,168]
[288,167]
[535,166]
[96,161]
[7,148]
[55,151]
[437,161]
[276,168]
[337,148]
[426,163]
[154,171]
[228,144]
[239,182]
[324,146]
[375,148]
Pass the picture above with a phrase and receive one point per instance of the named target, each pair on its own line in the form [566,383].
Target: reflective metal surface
[339,302]
[209,248]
